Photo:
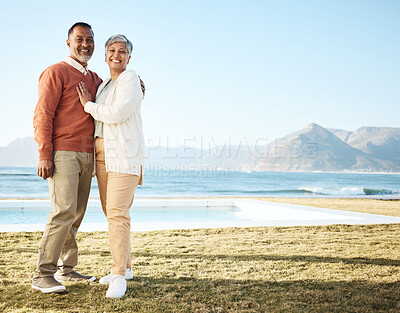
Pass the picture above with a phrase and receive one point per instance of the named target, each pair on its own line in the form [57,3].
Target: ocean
[22,182]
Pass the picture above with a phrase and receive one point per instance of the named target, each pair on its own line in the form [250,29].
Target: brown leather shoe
[73,276]
[47,284]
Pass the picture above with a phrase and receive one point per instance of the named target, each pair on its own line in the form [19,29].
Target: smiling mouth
[116,61]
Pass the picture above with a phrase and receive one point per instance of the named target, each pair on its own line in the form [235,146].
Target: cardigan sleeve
[127,98]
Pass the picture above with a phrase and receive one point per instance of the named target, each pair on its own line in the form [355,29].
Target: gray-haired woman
[119,148]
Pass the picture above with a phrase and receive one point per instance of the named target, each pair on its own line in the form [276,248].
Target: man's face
[81,44]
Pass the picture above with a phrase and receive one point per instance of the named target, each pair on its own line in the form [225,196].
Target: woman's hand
[83,93]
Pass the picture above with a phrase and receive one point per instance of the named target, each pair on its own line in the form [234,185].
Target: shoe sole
[57,289]
[107,281]
[113,297]
[93,278]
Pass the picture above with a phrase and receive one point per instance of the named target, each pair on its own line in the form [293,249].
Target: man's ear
[127,62]
[68,43]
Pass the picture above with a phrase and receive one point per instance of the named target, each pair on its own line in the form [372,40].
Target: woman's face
[117,56]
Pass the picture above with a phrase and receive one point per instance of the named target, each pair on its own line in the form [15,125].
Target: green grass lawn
[338,268]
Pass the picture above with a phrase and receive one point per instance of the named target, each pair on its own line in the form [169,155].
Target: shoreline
[246,171]
[199,212]
[350,197]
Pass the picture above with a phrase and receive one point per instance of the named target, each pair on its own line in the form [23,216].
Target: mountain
[317,149]
[379,142]
[344,135]
[314,148]
[20,152]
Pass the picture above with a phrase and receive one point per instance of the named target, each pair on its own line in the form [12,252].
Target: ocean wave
[350,191]
[335,191]
[295,191]
[265,192]
[17,174]
[371,191]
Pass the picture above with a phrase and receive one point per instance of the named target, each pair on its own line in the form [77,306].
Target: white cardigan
[124,145]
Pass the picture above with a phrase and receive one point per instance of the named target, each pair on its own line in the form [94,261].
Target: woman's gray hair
[119,38]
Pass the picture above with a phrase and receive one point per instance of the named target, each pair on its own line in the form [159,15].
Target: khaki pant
[69,192]
[116,195]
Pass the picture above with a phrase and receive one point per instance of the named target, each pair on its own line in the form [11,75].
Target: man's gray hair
[119,38]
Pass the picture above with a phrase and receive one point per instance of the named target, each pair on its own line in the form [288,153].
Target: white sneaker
[117,287]
[106,279]
[128,274]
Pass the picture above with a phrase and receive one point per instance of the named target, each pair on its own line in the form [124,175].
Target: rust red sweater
[59,120]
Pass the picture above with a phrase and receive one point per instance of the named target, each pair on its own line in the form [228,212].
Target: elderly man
[64,133]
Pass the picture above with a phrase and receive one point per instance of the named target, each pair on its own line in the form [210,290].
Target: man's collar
[77,65]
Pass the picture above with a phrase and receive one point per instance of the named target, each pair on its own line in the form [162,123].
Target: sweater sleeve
[128,97]
[49,94]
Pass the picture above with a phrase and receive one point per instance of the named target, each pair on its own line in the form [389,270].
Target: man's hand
[45,169]
[143,86]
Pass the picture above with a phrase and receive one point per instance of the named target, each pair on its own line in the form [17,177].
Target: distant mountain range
[314,148]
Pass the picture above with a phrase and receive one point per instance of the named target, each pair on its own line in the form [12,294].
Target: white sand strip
[247,213]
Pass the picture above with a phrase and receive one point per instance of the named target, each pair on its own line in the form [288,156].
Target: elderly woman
[119,148]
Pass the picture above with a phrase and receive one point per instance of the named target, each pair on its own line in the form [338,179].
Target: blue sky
[225,70]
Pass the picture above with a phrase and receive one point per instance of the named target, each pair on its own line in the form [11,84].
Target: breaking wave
[351,191]
[370,191]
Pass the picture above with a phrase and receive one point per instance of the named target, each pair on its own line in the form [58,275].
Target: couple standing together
[77,136]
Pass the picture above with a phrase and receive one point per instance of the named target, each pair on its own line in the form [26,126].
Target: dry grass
[265,269]
[337,268]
